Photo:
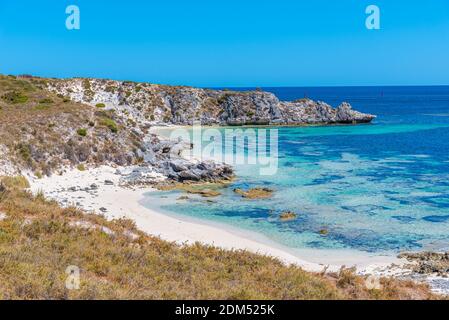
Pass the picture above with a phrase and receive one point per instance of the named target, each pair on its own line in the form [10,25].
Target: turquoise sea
[378,188]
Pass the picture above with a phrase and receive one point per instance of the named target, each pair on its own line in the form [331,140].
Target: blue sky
[230,43]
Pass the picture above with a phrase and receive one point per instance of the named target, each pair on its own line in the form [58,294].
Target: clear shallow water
[377,188]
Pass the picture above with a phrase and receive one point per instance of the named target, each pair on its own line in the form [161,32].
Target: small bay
[380,187]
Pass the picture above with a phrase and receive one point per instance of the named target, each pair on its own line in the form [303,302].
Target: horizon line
[235,87]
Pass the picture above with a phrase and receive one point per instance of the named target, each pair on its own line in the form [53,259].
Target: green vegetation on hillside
[14,97]
[82,132]
[111,124]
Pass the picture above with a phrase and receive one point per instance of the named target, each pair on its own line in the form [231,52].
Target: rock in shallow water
[255,193]
[288,216]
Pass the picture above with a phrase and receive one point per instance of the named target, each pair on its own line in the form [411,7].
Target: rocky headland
[153,104]
[47,125]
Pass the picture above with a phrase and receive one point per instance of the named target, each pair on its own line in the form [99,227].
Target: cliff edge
[154,104]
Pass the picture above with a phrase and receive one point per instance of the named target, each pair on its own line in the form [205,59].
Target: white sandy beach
[114,201]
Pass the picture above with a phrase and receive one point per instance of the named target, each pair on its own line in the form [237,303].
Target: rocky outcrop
[147,104]
[428,262]
[306,111]
[166,158]
[255,193]
[287,216]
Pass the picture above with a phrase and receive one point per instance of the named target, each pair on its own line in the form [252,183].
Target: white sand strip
[114,201]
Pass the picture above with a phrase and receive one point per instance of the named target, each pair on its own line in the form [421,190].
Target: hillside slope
[39,240]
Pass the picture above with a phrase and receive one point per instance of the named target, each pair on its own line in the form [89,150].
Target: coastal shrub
[86,84]
[110,89]
[42,106]
[15,182]
[104,113]
[82,132]
[24,151]
[131,122]
[139,160]
[111,124]
[222,99]
[14,97]
[45,101]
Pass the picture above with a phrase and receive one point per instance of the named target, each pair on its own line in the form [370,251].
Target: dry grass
[39,240]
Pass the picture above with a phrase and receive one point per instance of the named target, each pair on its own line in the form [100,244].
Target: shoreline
[114,201]
[318,259]
[161,129]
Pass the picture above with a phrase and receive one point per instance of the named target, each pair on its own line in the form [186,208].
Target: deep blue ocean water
[382,187]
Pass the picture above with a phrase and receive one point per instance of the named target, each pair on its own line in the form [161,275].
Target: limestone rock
[144,104]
